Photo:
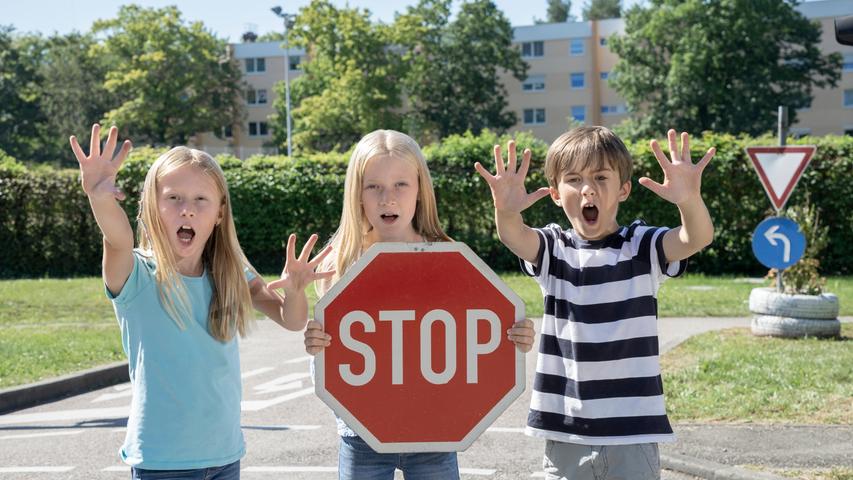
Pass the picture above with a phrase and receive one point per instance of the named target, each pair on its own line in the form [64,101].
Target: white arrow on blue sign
[778,243]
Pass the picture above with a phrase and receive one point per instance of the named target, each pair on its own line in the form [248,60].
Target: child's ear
[555,195]
[624,191]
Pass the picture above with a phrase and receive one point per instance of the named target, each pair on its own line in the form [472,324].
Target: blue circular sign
[778,242]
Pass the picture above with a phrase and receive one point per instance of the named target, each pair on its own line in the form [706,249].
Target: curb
[24,396]
[711,470]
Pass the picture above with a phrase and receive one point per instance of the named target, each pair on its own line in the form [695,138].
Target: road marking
[285,382]
[300,359]
[538,475]
[282,427]
[120,468]
[35,469]
[45,434]
[257,371]
[112,396]
[483,472]
[255,405]
[283,469]
[59,415]
[505,430]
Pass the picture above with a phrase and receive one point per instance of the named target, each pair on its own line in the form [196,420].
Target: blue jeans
[357,461]
[225,472]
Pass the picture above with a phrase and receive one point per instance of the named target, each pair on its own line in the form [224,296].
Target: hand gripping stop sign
[419,359]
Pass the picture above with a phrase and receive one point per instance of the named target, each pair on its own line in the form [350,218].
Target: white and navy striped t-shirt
[597,373]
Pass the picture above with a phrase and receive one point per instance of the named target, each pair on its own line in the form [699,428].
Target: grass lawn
[50,327]
[732,376]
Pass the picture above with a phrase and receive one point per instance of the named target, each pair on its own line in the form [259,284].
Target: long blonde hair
[348,241]
[231,303]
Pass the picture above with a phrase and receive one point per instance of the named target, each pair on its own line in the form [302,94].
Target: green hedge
[46,227]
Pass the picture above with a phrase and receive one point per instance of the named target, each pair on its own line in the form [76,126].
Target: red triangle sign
[780,168]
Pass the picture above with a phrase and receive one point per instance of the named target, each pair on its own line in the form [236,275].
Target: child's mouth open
[186,235]
[590,213]
[388,218]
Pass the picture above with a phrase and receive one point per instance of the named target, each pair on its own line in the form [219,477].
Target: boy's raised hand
[98,170]
[299,272]
[508,191]
[682,178]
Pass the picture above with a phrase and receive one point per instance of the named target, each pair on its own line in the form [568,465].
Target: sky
[228,19]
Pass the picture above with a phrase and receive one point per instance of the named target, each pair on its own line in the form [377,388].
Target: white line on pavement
[283,427]
[279,383]
[120,468]
[35,469]
[283,469]
[112,396]
[82,414]
[256,371]
[299,360]
[484,472]
[505,430]
[538,475]
[255,405]
[44,434]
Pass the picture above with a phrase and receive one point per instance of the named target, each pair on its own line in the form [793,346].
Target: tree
[20,114]
[350,83]
[721,65]
[559,11]
[71,94]
[602,9]
[452,78]
[171,79]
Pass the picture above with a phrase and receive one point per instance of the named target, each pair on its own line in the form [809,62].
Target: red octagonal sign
[419,359]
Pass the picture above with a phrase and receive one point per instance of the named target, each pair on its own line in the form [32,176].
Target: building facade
[567,83]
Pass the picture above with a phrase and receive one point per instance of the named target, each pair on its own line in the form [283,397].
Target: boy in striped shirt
[597,395]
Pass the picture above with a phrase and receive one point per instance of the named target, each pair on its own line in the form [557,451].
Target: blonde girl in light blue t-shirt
[180,299]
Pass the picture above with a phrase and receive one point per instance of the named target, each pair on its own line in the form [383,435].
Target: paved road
[289,432]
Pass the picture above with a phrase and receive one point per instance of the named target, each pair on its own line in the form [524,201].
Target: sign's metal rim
[779,201]
[481,426]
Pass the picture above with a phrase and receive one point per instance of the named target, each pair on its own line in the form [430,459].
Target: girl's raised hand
[682,179]
[98,170]
[299,272]
[522,335]
[508,191]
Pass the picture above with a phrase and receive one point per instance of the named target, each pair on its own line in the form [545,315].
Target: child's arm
[511,198]
[682,186]
[291,310]
[98,176]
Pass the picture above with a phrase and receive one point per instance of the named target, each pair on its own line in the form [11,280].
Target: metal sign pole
[782,127]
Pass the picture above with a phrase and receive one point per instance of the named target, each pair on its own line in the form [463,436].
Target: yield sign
[780,168]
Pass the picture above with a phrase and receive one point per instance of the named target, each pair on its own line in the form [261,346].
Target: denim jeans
[225,472]
[357,461]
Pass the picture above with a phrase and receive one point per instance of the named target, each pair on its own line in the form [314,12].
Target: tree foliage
[721,65]
[602,9]
[350,85]
[20,114]
[171,79]
[559,11]
[453,68]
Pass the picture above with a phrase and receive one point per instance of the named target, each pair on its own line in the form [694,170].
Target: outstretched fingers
[499,161]
[511,156]
[306,249]
[673,145]
[95,141]
[706,159]
[78,152]
[487,176]
[652,185]
[685,147]
[525,163]
[659,155]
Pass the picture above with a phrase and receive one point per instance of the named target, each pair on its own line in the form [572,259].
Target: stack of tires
[782,315]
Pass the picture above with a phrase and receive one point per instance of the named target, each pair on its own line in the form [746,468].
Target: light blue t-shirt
[185,412]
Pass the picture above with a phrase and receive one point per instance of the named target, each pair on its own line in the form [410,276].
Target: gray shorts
[570,461]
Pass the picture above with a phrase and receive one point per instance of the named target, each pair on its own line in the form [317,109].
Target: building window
[577,46]
[848,98]
[847,66]
[577,80]
[602,41]
[534,83]
[227,132]
[605,75]
[534,116]
[533,49]
[579,113]
[258,129]
[256,97]
[256,65]
[295,62]
[612,109]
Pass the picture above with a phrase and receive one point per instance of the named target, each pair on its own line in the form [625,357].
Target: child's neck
[407,237]
[190,267]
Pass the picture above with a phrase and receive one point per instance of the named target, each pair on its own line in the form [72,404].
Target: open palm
[682,178]
[98,169]
[507,185]
[299,272]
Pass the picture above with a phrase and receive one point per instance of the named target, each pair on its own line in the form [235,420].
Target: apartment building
[570,68]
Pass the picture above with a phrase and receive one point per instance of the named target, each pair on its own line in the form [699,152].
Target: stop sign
[419,359]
